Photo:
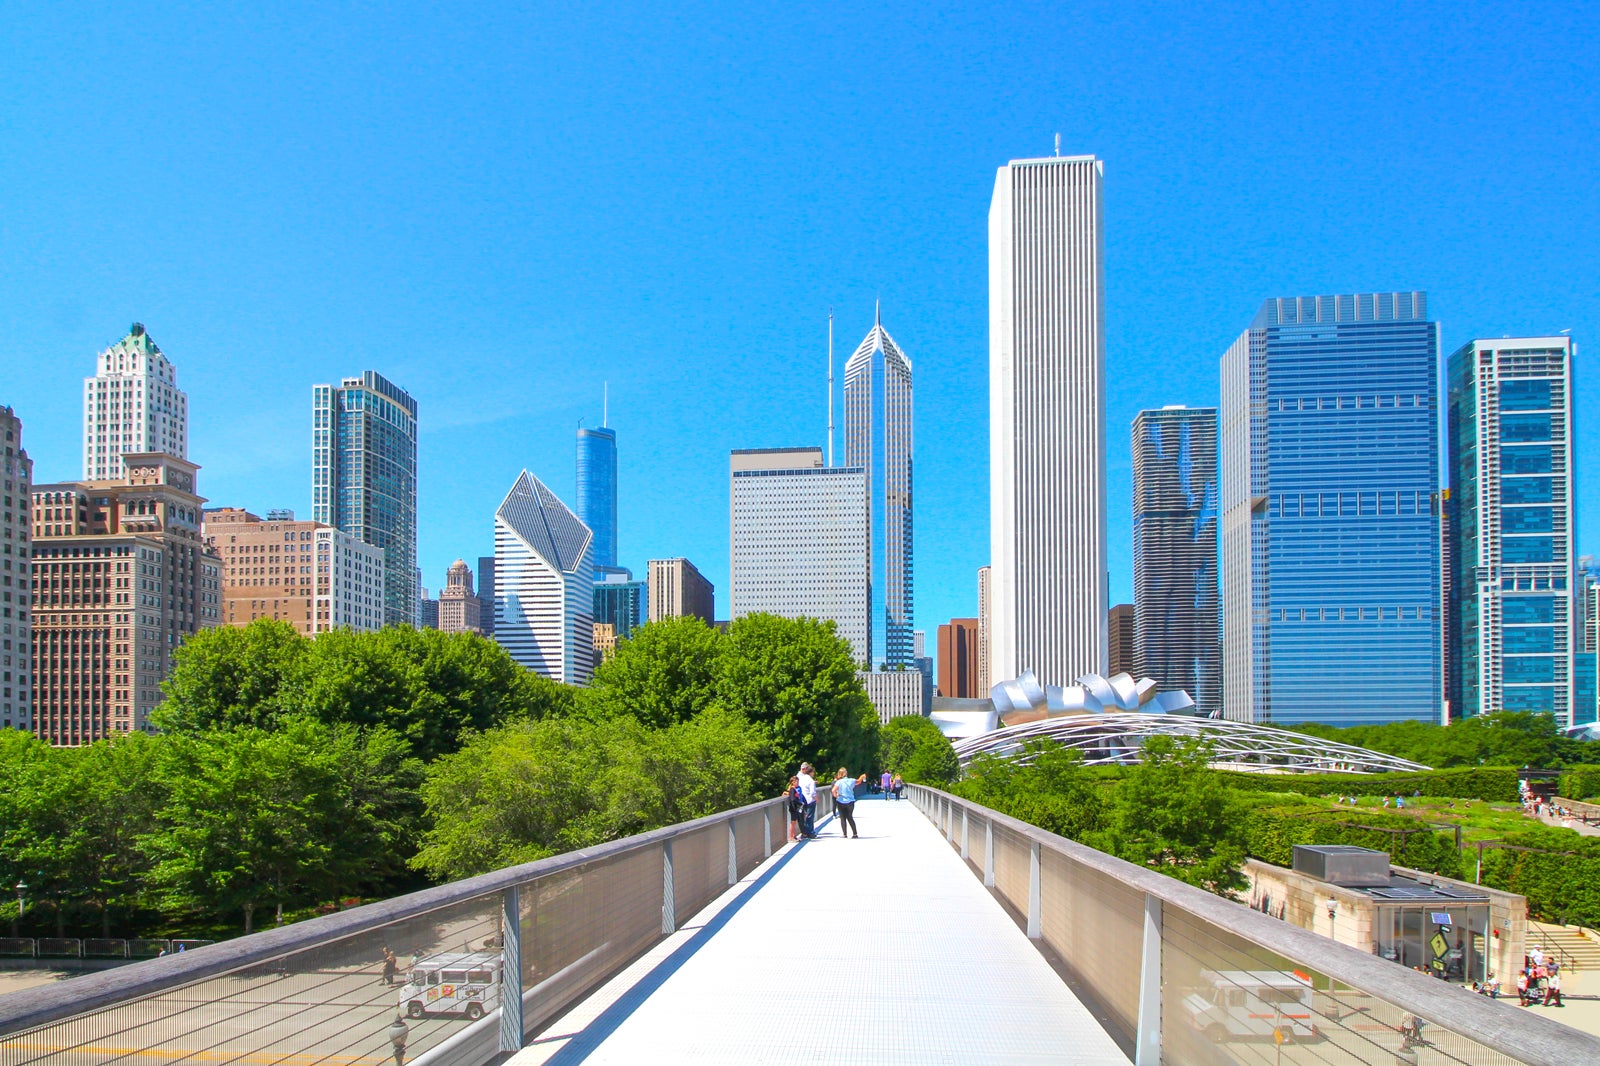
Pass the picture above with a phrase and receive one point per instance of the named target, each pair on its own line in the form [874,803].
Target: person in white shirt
[808,793]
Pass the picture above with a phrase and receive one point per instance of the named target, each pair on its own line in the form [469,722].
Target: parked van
[1252,1003]
[453,983]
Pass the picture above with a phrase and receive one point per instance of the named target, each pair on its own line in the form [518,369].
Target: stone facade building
[16,596]
[308,574]
[459,609]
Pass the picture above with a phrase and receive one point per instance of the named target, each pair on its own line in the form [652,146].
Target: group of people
[1539,981]
[802,796]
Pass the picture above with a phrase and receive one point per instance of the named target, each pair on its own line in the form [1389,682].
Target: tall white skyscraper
[1047,467]
[132,406]
[544,583]
[798,532]
[877,438]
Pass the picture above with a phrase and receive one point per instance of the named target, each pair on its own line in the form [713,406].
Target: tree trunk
[249,918]
[61,919]
[105,919]
[280,912]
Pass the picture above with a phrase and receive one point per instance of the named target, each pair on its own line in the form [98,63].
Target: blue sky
[501,208]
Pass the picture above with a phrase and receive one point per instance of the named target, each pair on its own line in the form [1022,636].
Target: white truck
[453,983]
[1269,1004]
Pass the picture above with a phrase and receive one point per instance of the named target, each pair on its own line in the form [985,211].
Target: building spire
[830,386]
[605,405]
[877,312]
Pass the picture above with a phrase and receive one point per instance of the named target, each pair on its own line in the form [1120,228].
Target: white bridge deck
[884,949]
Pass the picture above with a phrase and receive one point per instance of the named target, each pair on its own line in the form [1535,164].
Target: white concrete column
[510,971]
[1035,902]
[1147,1050]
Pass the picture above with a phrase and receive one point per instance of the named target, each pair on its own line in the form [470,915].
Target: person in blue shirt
[844,803]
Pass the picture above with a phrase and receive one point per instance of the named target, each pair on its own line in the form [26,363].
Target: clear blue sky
[501,208]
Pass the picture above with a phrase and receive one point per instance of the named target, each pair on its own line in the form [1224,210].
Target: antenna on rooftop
[605,405]
[830,386]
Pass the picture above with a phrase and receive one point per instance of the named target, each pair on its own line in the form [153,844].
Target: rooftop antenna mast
[605,405]
[830,386]
[1058,146]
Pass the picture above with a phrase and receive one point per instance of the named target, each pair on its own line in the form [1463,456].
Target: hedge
[1581,784]
[1561,878]
[1468,782]
[1272,832]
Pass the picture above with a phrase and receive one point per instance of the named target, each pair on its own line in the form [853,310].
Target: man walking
[808,794]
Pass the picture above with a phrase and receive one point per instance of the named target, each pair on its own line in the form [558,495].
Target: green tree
[300,814]
[1048,787]
[664,672]
[916,749]
[229,676]
[535,788]
[797,678]
[1171,812]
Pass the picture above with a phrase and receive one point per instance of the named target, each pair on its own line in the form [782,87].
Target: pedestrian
[884,782]
[1552,988]
[1522,988]
[898,786]
[844,803]
[808,797]
[797,807]
[390,965]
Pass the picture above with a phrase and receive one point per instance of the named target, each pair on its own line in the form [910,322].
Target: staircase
[1569,945]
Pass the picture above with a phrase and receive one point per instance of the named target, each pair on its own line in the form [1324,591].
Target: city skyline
[278,257]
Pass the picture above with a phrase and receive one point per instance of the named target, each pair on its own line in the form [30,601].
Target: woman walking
[797,807]
[844,803]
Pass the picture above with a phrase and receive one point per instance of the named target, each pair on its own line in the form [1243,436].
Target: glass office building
[1515,601]
[877,438]
[597,493]
[1329,430]
[619,601]
[364,478]
[1177,626]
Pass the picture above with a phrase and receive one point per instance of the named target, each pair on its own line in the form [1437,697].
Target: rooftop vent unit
[1343,865]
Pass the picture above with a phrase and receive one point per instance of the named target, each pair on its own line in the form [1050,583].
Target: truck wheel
[414,1009]
[474,1011]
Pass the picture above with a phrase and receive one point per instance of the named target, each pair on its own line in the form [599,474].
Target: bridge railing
[532,939]
[1179,975]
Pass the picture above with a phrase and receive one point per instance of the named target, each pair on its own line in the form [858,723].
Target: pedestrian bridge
[946,934]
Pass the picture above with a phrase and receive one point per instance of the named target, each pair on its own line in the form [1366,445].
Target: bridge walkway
[883,949]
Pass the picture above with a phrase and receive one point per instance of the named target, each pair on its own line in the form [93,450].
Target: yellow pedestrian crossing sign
[1439,944]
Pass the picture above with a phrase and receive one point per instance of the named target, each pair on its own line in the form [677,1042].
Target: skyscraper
[597,492]
[1510,448]
[877,438]
[798,533]
[1120,625]
[986,679]
[364,478]
[308,574]
[132,405]
[677,589]
[121,578]
[958,659]
[486,594]
[16,600]
[1177,627]
[1329,431]
[1047,474]
[544,583]
[459,608]
[619,602]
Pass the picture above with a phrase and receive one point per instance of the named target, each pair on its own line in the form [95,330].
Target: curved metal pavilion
[1117,738]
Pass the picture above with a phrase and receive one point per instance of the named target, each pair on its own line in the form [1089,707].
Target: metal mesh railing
[1178,975]
[322,991]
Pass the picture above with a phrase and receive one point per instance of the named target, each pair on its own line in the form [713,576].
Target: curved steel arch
[1117,739]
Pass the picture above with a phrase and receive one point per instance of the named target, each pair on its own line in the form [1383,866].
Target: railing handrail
[1522,1036]
[44,1004]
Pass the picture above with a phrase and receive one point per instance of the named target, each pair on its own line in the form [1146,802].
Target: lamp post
[21,888]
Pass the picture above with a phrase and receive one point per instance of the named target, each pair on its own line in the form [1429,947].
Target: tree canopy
[916,749]
[1507,738]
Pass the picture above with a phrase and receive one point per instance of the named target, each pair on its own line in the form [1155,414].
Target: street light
[21,888]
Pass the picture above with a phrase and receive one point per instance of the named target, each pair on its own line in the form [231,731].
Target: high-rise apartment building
[896,693]
[544,583]
[1510,448]
[619,601]
[486,594]
[1177,629]
[678,589]
[1121,630]
[1047,467]
[427,609]
[364,478]
[16,579]
[459,608]
[877,438]
[308,574]
[121,577]
[798,540]
[958,660]
[597,493]
[986,679]
[132,405]
[1329,445]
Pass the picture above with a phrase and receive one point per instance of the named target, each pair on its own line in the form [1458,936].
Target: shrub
[1498,783]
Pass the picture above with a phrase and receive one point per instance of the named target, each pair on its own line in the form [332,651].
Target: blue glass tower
[1329,428]
[364,478]
[597,492]
[877,436]
[1515,593]
[1177,629]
